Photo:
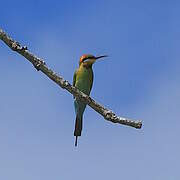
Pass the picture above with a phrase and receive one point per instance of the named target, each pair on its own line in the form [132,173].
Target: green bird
[83,80]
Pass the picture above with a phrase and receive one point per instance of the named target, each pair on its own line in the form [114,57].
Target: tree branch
[39,64]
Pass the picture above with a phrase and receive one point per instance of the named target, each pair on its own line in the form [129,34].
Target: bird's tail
[78,128]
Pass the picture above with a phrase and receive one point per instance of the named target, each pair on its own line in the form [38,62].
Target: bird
[83,80]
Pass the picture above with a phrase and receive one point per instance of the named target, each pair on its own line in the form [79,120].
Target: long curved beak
[98,57]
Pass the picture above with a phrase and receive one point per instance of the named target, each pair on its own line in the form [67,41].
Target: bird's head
[87,60]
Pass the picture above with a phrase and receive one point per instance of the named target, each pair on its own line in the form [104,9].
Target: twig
[40,65]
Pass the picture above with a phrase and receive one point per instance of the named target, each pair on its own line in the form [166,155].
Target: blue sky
[139,80]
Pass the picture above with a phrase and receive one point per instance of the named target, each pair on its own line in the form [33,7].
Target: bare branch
[40,65]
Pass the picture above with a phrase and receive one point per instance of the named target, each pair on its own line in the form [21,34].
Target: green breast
[84,79]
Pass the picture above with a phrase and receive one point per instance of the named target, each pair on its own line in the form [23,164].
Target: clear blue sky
[139,80]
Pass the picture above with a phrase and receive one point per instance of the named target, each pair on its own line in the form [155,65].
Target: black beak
[98,57]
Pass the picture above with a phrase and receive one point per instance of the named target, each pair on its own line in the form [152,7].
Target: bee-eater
[83,80]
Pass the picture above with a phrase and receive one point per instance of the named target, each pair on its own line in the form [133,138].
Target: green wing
[91,81]
[74,78]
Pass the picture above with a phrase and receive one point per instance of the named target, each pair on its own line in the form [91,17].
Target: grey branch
[40,65]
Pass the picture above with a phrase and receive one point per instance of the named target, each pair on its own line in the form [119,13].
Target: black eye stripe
[88,58]
[85,59]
